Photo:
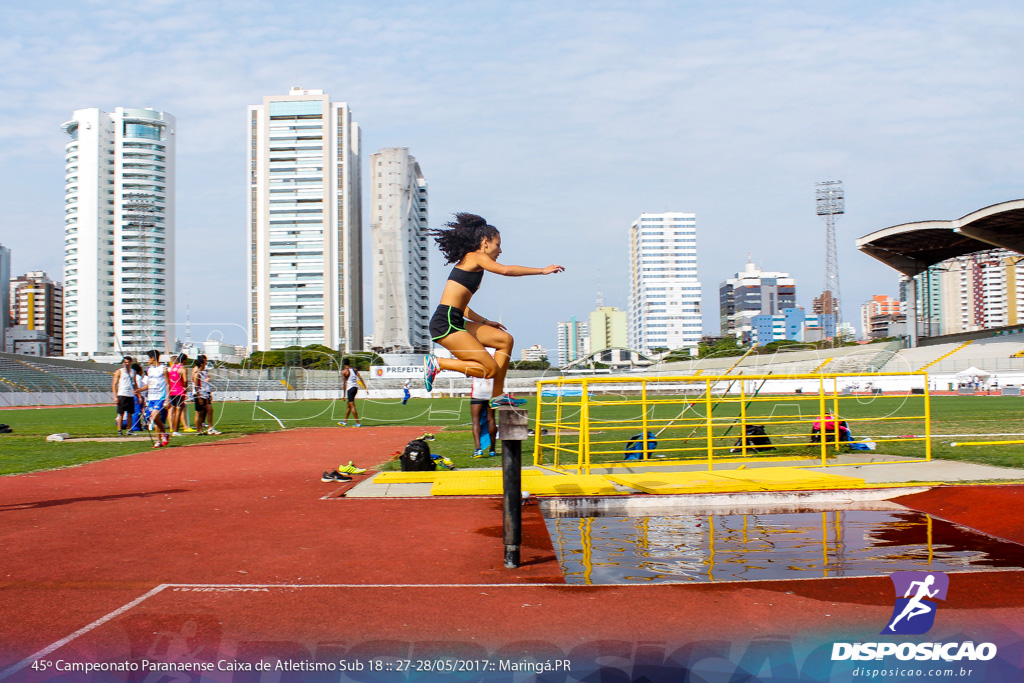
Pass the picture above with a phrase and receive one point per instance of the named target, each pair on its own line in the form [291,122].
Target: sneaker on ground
[189,430]
[478,453]
[175,434]
[430,370]
[350,468]
[343,424]
[120,432]
[213,431]
[506,401]
[444,461]
[159,444]
[492,454]
[334,477]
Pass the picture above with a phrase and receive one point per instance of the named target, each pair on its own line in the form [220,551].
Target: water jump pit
[609,546]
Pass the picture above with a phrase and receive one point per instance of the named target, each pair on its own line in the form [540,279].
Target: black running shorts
[177,400]
[446,319]
[125,405]
[352,393]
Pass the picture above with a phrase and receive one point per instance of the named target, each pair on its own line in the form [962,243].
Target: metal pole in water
[512,432]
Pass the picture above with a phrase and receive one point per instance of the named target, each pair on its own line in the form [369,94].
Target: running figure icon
[916,607]
[914,612]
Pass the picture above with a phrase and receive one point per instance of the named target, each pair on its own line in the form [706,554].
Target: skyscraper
[305,226]
[665,294]
[118,231]
[401,270]
[750,293]
[37,303]
[5,303]
[573,341]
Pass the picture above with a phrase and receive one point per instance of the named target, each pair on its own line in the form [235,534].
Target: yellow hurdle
[647,421]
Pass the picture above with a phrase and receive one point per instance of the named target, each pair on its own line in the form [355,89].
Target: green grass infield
[26,450]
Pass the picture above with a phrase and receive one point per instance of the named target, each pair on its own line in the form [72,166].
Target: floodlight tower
[829,201]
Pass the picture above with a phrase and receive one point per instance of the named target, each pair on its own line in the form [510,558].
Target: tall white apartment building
[305,223]
[664,292]
[401,271]
[118,231]
[573,341]
[978,292]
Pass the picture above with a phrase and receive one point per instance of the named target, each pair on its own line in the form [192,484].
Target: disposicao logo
[914,612]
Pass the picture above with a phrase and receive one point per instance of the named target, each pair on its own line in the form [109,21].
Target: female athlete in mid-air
[473,246]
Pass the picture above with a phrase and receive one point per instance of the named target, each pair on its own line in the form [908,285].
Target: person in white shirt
[123,387]
[155,385]
[350,377]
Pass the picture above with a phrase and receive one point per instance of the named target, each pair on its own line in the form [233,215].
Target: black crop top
[466,278]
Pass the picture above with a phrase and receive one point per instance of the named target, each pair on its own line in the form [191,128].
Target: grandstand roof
[912,247]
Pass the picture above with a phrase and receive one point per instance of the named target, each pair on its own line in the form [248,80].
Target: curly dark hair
[461,236]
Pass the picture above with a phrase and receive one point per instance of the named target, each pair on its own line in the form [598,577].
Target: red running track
[241,551]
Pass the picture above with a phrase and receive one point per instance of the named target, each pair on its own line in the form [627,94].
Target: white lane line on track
[82,631]
[236,587]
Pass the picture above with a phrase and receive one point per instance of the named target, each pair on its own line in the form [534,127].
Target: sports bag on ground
[416,457]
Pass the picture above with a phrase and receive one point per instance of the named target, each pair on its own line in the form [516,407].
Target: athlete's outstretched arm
[492,266]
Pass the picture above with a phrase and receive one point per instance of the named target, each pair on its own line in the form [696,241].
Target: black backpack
[757,440]
[5,429]
[416,457]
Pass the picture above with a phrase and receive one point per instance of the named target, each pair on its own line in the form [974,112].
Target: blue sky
[559,122]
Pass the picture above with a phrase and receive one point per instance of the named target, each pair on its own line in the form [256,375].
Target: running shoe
[330,477]
[358,424]
[478,453]
[189,430]
[343,424]
[175,434]
[427,436]
[159,444]
[213,431]
[430,370]
[444,461]
[350,468]
[506,401]
[492,454]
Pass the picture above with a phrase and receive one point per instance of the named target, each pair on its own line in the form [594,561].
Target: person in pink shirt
[176,391]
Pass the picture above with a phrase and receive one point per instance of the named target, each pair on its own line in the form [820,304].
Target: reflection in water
[731,547]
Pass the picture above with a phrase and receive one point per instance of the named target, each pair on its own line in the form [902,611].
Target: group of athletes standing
[163,391]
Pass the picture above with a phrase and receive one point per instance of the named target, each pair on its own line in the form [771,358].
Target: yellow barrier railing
[602,421]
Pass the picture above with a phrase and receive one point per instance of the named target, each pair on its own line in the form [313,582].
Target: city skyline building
[573,341]
[5,296]
[305,223]
[664,293]
[979,291]
[119,227]
[792,324]
[533,353]
[750,293]
[608,329]
[37,303]
[880,309]
[401,268]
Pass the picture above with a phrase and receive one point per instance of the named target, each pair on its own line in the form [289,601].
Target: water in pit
[786,545]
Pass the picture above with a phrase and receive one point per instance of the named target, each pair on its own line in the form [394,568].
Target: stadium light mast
[829,202]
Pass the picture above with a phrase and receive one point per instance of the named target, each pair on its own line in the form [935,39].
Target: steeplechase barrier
[589,422]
